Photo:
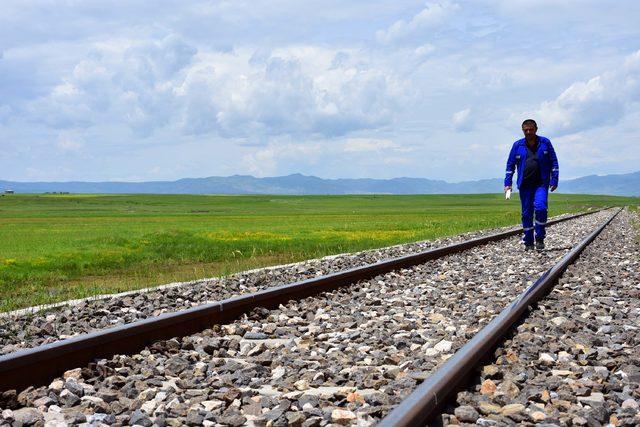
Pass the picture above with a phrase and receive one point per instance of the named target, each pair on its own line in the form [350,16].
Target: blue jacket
[549,170]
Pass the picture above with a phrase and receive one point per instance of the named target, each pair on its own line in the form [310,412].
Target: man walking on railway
[538,171]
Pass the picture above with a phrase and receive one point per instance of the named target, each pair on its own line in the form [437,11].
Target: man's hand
[507,188]
[553,187]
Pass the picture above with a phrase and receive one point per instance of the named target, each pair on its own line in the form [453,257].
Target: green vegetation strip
[58,247]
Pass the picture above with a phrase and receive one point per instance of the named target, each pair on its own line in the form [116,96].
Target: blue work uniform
[537,171]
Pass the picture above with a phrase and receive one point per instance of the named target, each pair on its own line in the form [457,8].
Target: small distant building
[8,191]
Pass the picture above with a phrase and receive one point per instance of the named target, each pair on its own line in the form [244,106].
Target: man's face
[529,130]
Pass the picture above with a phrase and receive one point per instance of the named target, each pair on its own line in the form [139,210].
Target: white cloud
[177,85]
[424,50]
[434,13]
[120,82]
[368,144]
[601,100]
[462,120]
[300,91]
[267,161]
[632,62]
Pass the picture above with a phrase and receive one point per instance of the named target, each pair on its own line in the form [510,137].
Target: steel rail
[423,404]
[39,365]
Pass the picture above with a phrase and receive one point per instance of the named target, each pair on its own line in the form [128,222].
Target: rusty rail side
[39,365]
[424,403]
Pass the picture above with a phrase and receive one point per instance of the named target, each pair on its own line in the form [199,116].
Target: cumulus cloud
[236,79]
[267,160]
[462,120]
[299,91]
[434,13]
[601,100]
[127,83]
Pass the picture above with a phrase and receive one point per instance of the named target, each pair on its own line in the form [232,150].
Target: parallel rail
[421,406]
[40,365]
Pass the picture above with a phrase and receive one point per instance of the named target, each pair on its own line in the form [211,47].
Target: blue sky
[97,90]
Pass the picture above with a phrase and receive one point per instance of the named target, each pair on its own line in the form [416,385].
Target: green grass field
[57,247]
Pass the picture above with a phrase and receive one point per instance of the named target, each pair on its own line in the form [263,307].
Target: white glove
[507,194]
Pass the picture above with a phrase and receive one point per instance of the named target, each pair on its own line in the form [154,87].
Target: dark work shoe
[539,245]
[528,247]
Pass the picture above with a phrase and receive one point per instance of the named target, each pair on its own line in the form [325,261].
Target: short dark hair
[530,122]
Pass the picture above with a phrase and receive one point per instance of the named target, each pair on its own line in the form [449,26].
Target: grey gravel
[26,417]
[575,360]
[344,357]
[26,329]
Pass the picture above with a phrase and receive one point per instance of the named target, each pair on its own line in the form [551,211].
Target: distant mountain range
[621,185]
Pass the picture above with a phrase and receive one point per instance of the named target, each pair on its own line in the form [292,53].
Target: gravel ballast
[575,359]
[342,358]
[32,327]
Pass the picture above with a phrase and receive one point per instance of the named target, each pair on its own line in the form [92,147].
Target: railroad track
[40,365]
[422,405]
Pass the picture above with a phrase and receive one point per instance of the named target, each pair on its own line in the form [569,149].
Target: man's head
[529,128]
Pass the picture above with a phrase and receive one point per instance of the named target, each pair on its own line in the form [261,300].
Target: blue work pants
[534,201]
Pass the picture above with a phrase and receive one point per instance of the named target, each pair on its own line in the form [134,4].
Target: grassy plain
[57,247]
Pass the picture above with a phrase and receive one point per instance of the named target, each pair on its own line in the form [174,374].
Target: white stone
[293,395]
[56,385]
[278,372]
[561,373]
[211,405]
[563,356]
[546,359]
[267,390]
[342,417]
[174,403]
[443,346]
[200,368]
[538,416]
[558,320]
[594,398]
[431,352]
[301,385]
[148,407]
[54,420]
[93,399]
